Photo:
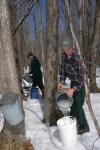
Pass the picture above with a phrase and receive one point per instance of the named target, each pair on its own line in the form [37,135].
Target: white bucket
[13,113]
[68,131]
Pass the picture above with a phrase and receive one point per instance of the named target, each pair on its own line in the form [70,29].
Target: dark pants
[39,83]
[77,109]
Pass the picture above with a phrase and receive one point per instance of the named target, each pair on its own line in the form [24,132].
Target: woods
[40,27]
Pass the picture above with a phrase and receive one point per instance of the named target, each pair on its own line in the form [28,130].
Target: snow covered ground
[47,138]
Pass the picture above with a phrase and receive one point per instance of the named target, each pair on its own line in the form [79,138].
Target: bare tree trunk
[8,73]
[40,28]
[36,36]
[51,61]
[95,43]
[11,137]
[89,26]
[81,22]
[17,38]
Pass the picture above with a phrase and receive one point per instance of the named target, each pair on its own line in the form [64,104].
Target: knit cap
[67,43]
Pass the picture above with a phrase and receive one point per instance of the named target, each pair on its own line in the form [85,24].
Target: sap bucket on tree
[11,108]
[68,131]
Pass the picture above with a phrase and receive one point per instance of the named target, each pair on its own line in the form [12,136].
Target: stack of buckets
[68,131]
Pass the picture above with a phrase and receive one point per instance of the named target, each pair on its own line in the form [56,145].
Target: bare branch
[24,17]
[18,1]
[25,2]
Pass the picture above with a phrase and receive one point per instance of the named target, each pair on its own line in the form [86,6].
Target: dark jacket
[35,69]
[72,69]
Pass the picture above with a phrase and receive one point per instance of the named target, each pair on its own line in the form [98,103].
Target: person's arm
[30,68]
[80,74]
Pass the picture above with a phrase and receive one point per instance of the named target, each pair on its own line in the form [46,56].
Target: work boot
[82,131]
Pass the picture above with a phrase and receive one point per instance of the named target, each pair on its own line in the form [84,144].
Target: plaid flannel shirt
[72,69]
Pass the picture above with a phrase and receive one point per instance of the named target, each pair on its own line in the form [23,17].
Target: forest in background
[41,26]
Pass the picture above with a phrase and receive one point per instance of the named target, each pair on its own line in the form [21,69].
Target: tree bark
[9,82]
[81,22]
[36,36]
[95,43]
[51,61]
[89,26]
[8,73]
[40,34]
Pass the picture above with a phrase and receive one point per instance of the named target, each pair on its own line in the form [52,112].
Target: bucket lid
[8,99]
[66,120]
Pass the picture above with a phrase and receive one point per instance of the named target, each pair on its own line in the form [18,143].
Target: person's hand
[59,87]
[70,92]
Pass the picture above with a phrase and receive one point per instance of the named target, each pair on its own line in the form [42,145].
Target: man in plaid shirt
[71,67]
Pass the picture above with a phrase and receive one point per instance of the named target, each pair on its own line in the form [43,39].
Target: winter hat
[29,54]
[68,43]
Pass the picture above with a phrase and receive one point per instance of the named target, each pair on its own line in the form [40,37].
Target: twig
[23,18]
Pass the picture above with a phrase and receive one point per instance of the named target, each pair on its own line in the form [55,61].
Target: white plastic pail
[68,132]
[13,113]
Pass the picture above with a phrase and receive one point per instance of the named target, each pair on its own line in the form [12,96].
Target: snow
[47,138]
[44,137]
